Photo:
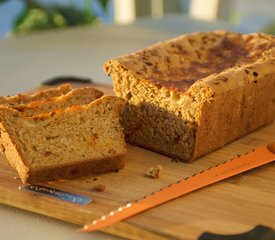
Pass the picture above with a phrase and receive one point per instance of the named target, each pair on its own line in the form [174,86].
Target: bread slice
[193,94]
[78,96]
[11,101]
[65,144]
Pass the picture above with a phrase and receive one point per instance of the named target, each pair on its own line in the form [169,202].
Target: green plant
[36,16]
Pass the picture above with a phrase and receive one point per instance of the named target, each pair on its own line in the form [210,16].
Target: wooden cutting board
[232,206]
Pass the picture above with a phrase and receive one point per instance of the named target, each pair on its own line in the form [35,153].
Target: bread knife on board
[257,157]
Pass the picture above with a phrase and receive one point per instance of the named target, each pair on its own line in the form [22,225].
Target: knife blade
[257,157]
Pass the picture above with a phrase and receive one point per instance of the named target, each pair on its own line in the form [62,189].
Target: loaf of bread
[65,143]
[36,96]
[193,94]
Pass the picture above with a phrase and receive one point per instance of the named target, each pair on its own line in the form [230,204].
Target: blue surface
[8,11]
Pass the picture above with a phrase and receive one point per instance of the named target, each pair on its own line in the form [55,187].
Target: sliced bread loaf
[66,143]
[78,96]
[36,96]
[193,94]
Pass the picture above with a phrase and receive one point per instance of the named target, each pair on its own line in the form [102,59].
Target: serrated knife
[250,160]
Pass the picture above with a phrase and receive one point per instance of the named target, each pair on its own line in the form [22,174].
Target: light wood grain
[232,206]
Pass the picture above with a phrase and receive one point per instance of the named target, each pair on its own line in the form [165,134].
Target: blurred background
[20,17]
[42,39]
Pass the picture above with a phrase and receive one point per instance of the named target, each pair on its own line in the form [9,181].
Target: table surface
[27,61]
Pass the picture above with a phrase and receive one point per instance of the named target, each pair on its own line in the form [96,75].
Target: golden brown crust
[65,97]
[36,96]
[78,96]
[234,113]
[179,63]
[106,99]
[12,151]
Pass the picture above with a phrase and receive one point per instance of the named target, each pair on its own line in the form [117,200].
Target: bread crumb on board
[99,187]
[154,172]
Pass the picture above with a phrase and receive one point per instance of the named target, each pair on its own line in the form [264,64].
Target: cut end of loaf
[49,146]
